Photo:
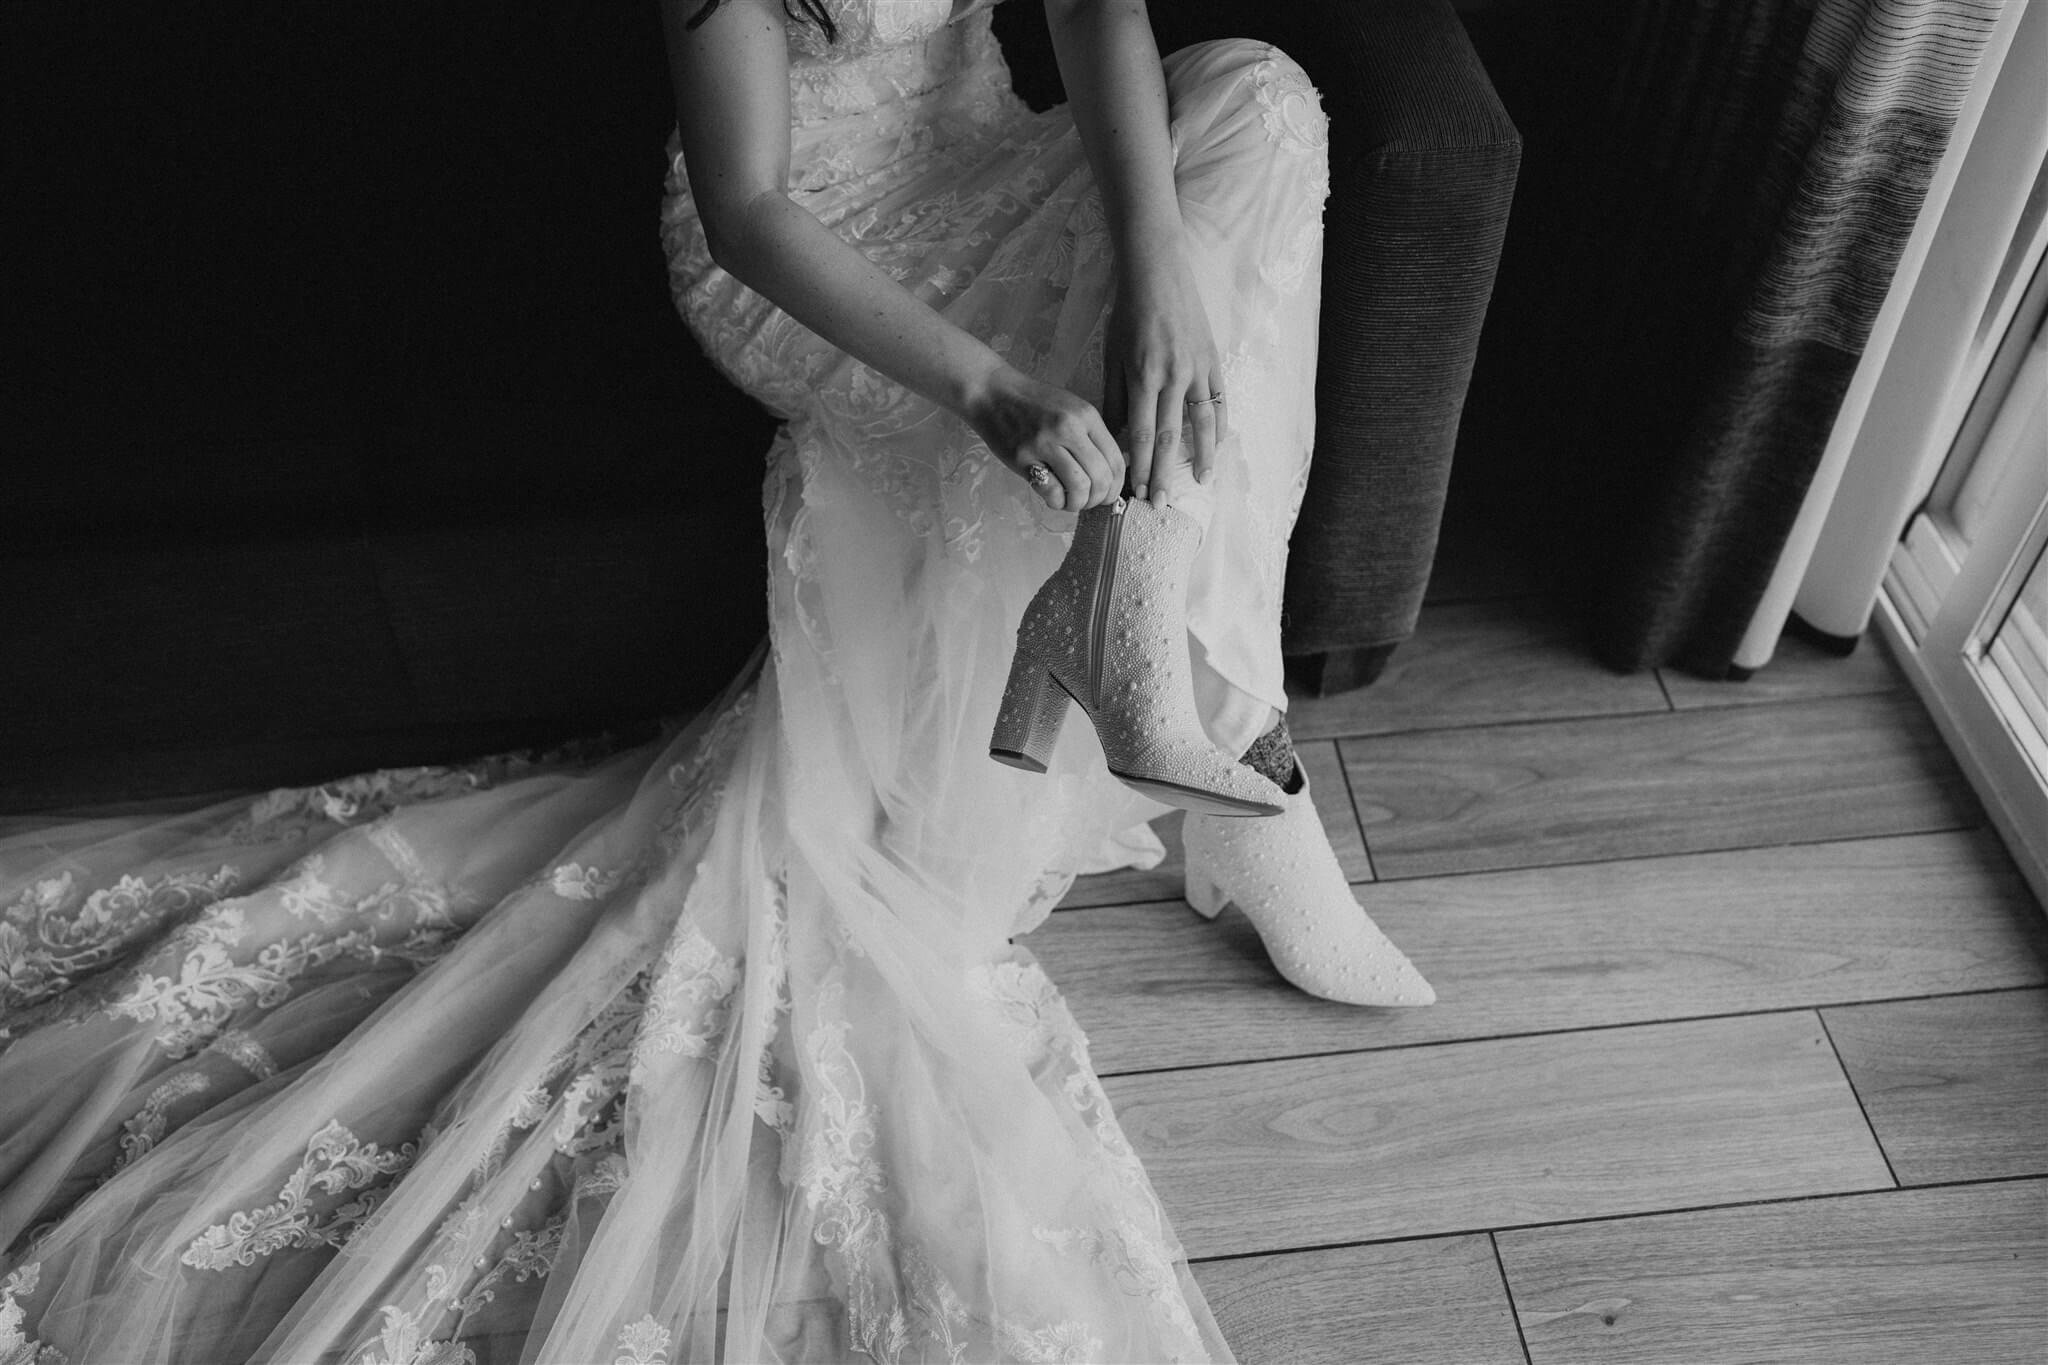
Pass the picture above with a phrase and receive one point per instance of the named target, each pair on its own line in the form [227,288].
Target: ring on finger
[1216,397]
[1039,477]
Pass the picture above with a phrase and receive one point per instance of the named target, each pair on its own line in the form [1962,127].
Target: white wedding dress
[716,1049]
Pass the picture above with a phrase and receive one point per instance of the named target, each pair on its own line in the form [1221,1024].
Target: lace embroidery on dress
[1293,111]
[842,1180]
[605,1177]
[698,780]
[526,1254]
[426,906]
[211,983]
[50,936]
[643,1343]
[1135,1250]
[529,1107]
[294,812]
[529,1255]
[244,1051]
[335,1163]
[686,1006]
[17,1347]
[799,551]
[403,1341]
[1067,1343]
[1294,118]
[146,1128]
[771,1103]
[406,861]
[290,813]
[585,1107]
[861,26]
[149,1124]
[575,882]
[588,1110]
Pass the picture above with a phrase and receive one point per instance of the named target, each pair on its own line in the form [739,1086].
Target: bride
[720,1048]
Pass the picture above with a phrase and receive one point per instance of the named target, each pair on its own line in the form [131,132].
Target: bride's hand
[1027,423]
[1159,361]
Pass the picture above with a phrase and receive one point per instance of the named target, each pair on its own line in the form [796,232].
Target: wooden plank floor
[1952,1274]
[1366,1146]
[1741,1046]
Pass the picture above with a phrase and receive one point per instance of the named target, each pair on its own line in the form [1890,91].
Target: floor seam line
[1944,828]
[1768,1201]
[1507,1286]
[1646,857]
[1876,1138]
[1506,722]
[1357,821]
[1108,1073]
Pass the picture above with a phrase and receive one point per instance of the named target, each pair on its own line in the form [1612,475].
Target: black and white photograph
[978,682]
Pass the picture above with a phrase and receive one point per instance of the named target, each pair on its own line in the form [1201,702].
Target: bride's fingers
[1206,417]
[1102,482]
[1141,434]
[1112,457]
[1073,485]
[1052,487]
[1170,416]
[1085,440]
[1074,481]
[1116,394]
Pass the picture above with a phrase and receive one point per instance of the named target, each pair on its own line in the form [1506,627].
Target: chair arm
[1423,167]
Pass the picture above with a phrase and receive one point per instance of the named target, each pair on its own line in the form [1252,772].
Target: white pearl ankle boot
[1108,632]
[1283,874]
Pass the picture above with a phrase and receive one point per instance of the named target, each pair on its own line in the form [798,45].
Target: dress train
[715,1048]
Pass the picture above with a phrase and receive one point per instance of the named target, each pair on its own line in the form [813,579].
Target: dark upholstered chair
[1423,162]
[350,441]
[1423,165]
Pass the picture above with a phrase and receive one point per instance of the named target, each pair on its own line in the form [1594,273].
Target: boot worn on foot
[1284,876]
[1108,631]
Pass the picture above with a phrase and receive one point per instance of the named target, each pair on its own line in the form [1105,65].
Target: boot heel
[1027,726]
[1204,897]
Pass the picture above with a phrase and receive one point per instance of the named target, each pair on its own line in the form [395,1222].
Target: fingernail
[1138,491]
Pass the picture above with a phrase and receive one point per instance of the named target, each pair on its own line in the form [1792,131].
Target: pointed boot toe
[1284,876]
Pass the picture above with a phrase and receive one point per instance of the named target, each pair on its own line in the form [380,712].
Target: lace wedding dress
[716,1049]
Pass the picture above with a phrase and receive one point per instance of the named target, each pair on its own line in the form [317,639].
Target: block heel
[1028,725]
[1108,632]
[1204,897]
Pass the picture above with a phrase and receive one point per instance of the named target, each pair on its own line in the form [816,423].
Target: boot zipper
[1105,584]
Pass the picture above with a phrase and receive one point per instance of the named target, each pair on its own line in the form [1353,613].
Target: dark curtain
[1722,217]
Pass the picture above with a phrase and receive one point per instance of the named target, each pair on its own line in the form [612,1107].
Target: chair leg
[1338,670]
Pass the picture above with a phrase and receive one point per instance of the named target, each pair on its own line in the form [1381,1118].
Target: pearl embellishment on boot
[1284,876]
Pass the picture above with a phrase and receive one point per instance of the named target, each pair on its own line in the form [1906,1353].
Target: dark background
[308,265]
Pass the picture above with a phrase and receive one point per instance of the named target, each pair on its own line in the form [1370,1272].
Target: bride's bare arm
[732,107]
[1160,354]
